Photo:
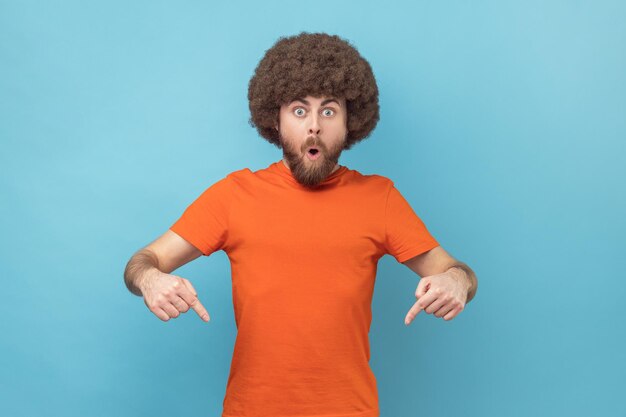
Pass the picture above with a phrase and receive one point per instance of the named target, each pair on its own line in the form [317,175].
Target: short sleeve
[204,223]
[406,234]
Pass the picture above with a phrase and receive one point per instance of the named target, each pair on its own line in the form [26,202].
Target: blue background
[502,123]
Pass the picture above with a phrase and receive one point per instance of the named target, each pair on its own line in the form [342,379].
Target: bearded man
[303,237]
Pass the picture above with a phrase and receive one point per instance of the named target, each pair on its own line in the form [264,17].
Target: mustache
[313,141]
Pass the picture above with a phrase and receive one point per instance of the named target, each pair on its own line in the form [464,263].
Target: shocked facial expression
[313,132]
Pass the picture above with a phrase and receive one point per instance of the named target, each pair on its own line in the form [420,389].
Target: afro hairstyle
[315,64]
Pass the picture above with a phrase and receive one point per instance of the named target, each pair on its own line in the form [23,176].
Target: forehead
[323,100]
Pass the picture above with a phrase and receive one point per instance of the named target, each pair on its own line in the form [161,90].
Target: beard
[307,172]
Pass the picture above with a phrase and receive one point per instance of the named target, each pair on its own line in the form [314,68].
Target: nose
[314,126]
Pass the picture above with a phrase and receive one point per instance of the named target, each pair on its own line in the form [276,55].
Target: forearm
[139,264]
[468,275]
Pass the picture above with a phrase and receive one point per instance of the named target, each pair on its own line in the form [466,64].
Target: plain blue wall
[502,123]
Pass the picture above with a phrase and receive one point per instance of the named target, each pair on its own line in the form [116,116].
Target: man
[303,236]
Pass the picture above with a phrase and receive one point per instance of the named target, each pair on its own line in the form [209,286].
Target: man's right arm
[147,274]
[166,254]
[140,265]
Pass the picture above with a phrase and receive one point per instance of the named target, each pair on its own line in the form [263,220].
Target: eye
[328,112]
[299,111]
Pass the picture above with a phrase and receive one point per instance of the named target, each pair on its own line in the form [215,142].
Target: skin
[446,286]
[167,296]
[312,121]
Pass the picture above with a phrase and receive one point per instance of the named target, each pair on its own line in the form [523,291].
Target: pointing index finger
[414,311]
[192,299]
[199,308]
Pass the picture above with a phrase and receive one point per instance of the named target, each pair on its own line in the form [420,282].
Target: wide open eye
[299,111]
[328,112]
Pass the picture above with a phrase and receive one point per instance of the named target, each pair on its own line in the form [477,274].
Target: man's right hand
[168,295]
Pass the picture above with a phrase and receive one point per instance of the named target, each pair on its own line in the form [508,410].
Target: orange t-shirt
[303,266]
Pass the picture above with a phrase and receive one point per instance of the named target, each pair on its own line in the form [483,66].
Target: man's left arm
[446,286]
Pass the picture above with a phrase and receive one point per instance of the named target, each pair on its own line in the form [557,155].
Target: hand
[168,295]
[444,294]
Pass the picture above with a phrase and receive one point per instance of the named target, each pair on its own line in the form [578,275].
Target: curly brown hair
[314,64]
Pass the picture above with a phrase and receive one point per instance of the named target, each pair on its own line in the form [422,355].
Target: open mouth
[313,153]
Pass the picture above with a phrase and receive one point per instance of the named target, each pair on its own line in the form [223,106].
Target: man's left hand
[444,294]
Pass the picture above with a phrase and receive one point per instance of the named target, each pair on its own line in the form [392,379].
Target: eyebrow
[328,100]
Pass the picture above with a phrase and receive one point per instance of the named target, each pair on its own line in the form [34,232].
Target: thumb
[422,287]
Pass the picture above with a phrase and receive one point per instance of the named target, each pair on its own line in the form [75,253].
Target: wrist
[462,277]
[145,277]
